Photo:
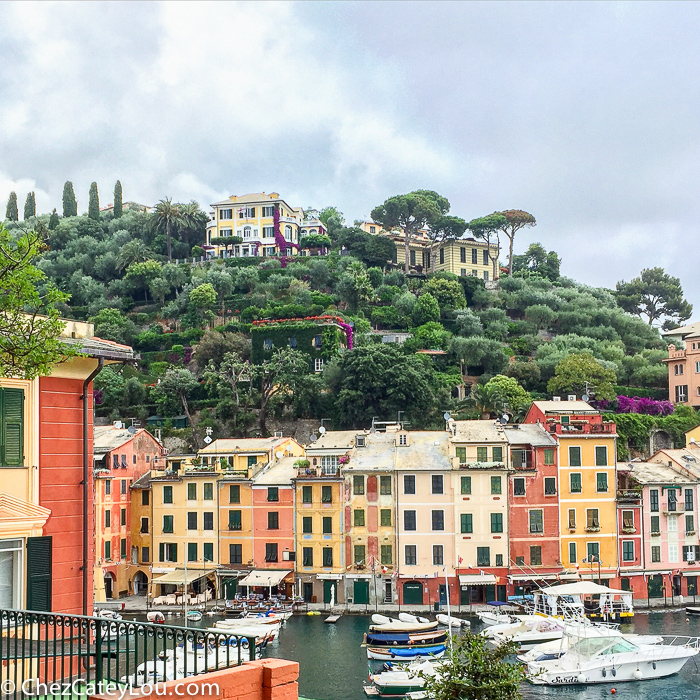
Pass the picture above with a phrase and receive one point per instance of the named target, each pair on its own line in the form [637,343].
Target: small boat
[405,638]
[405,653]
[281,615]
[247,630]
[692,611]
[397,682]
[496,615]
[527,632]
[398,626]
[449,621]
[381,619]
[156,617]
[412,619]
[109,614]
[194,615]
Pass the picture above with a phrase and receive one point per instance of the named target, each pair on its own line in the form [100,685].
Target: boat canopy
[582,588]
[399,638]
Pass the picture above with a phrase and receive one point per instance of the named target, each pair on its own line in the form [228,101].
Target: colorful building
[630,528]
[141,534]
[684,372]
[587,485]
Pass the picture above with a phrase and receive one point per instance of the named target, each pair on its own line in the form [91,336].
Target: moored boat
[405,653]
[405,638]
[496,615]
[194,615]
[412,619]
[527,632]
[398,626]
[397,682]
[449,621]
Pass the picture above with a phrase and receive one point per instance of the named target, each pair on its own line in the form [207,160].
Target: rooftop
[334,439]
[691,328]
[97,347]
[225,445]
[655,473]
[478,431]
[529,434]
[108,437]
[426,450]
[279,474]
[565,407]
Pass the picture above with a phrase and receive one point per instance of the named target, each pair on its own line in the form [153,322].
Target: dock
[332,619]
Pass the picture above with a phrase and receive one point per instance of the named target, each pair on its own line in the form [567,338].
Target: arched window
[288,233]
[246,231]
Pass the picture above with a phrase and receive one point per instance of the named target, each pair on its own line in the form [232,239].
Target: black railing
[38,650]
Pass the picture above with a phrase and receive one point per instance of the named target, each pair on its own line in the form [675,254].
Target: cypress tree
[53,220]
[117,200]
[29,207]
[11,212]
[94,204]
[70,206]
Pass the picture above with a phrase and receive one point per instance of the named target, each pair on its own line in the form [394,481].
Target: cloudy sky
[586,115]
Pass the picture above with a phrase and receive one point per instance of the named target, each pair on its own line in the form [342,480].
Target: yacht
[527,631]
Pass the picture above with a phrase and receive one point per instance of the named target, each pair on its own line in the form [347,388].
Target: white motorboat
[109,614]
[604,655]
[412,619]
[573,600]
[496,614]
[405,653]
[449,621]
[194,615]
[281,615]
[378,619]
[527,632]
[260,632]
[397,682]
[558,647]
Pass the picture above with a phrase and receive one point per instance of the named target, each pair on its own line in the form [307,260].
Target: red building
[533,508]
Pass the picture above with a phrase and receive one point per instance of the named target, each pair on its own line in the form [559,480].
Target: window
[549,456]
[655,525]
[550,486]
[329,464]
[145,498]
[483,556]
[115,461]
[628,519]
[681,393]
[327,556]
[267,344]
[592,522]
[235,553]
[167,494]
[318,341]
[144,526]
[385,517]
[228,214]
[410,555]
[495,484]
[671,500]
[191,492]
[689,553]
[438,520]
[385,485]
[306,494]
[574,456]
[520,561]
[358,517]
[108,518]
[358,485]
[627,550]
[273,520]
[654,500]
[442,255]
[208,518]
[145,555]
[467,523]
[592,551]
[572,553]
[234,493]
[168,551]
[268,211]
[672,523]
[673,553]
[273,494]
[575,483]
[359,555]
[697,366]
[475,256]
[463,255]
[292,342]
[601,456]
[466,485]
[307,525]
[412,258]
[497,454]
[123,487]
[436,483]
[192,521]
[409,484]
[689,524]
[496,522]
[108,489]
[482,454]
[386,555]
[689,499]
[270,551]
[572,518]
[168,523]
[519,486]
[327,525]
[438,558]
[535,555]
[409,520]
[307,556]
[485,258]
[191,551]
[461,453]
[123,461]
[601,482]
[208,491]
[318,364]
[655,554]
[536,521]
[326,494]
[234,520]
[108,550]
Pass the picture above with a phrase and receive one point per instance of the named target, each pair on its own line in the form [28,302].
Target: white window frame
[673,554]
[247,232]
[16,548]
[318,364]
[405,548]
[268,232]
[405,493]
[672,523]
[441,549]
[329,464]
[287,233]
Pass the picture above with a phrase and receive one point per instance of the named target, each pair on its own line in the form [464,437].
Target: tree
[54,221]
[192,224]
[516,400]
[29,322]
[214,346]
[133,251]
[94,203]
[478,352]
[537,260]
[472,670]
[332,219]
[235,373]
[112,324]
[426,309]
[11,213]
[315,240]
[203,300]
[226,241]
[167,215]
[118,200]
[489,400]
[411,212]
[139,274]
[354,285]
[444,229]
[515,220]
[159,288]
[654,294]
[70,205]
[579,373]
[30,206]
[448,292]
[485,228]
[180,384]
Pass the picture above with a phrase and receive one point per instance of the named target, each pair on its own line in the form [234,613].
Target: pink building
[684,372]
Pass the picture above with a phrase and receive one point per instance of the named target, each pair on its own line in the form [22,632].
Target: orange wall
[284,536]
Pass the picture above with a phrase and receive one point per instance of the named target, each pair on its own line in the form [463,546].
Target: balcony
[580,426]
[629,496]
[318,473]
[629,530]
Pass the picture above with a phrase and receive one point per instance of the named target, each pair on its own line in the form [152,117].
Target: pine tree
[30,206]
[70,206]
[94,204]
[53,220]
[11,213]
[117,200]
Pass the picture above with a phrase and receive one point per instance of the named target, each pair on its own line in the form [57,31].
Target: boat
[527,632]
[412,619]
[603,655]
[405,653]
[692,611]
[281,615]
[573,600]
[496,615]
[260,632]
[558,647]
[397,682]
[194,615]
[109,614]
[398,626]
[155,617]
[378,619]
[449,621]
[405,638]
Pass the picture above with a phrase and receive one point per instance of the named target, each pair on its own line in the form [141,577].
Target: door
[464,595]
[490,593]
[361,591]
[655,585]
[412,593]
[328,587]
[501,594]
[108,586]
[676,585]
[388,592]
[308,592]
[443,594]
[230,588]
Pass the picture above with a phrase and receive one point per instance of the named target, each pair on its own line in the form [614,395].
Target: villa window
[327,525]
[271,551]
[287,233]
[192,521]
[208,519]
[496,522]
[483,556]
[307,525]
[462,255]
[689,499]
[482,454]
[438,520]
[654,500]
[410,555]
[536,521]
[327,556]
[273,520]
[306,494]
[601,481]
[681,393]
[225,214]
[592,521]
[485,259]
[409,485]
[475,256]
[495,484]
[535,555]
[268,211]
[192,492]
[360,555]
[467,523]
[387,558]
[550,486]
[234,520]
[461,453]
[409,520]
[438,556]
[572,553]
[601,456]
[307,556]
[437,484]
[208,552]
[519,486]
[628,550]
[385,485]
[326,494]
[466,485]
[318,364]
[575,483]
[385,517]
[268,231]
[359,517]
[329,464]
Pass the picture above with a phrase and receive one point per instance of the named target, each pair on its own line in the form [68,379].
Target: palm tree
[131,252]
[191,218]
[488,399]
[168,214]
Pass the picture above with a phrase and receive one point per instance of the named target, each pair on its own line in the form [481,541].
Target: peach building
[684,372]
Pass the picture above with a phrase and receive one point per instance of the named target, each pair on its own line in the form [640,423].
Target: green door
[230,586]
[490,593]
[502,594]
[655,585]
[329,586]
[361,591]
[412,593]
[464,595]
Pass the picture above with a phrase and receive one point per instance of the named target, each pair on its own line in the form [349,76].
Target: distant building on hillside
[129,206]
[678,335]
[684,371]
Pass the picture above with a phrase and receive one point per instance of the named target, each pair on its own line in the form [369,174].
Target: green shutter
[161,551]
[466,522]
[39,573]
[12,433]
[497,454]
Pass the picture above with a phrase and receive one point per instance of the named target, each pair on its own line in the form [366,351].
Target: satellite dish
[131,429]
[279,454]
[505,418]
[585,397]
[322,430]
[207,439]
[313,437]
[446,415]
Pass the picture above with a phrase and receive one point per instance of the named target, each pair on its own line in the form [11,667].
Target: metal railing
[39,649]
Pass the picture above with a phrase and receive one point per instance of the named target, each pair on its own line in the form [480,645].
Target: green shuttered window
[11,427]
[39,573]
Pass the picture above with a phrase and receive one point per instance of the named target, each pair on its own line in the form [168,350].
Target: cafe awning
[477,580]
[532,577]
[179,577]
[265,578]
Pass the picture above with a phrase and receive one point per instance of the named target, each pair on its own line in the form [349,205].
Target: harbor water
[333,666]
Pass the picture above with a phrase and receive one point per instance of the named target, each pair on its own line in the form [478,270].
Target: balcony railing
[39,649]
[629,496]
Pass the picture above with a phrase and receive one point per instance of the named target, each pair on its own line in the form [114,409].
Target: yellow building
[587,484]
[692,436]
[141,533]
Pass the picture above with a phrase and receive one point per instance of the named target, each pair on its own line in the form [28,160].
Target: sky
[584,114]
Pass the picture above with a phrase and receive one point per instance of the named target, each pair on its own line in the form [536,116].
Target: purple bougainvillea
[97,396]
[650,407]
[188,354]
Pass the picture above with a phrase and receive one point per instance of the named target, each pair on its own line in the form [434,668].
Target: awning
[264,578]
[533,577]
[569,577]
[230,573]
[98,458]
[477,580]
[595,577]
[178,577]
[329,577]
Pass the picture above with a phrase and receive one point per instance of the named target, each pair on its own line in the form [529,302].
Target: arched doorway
[109,585]
[140,583]
[413,593]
